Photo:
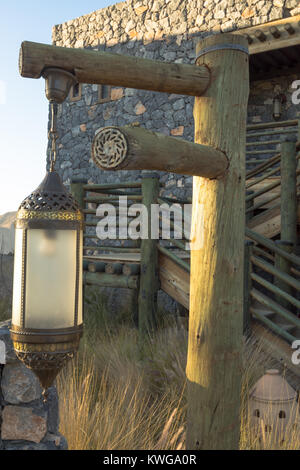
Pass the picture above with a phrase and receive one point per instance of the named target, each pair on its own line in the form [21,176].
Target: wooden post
[136,148]
[149,262]
[288,203]
[214,368]
[104,68]
[77,190]
[284,266]
[247,285]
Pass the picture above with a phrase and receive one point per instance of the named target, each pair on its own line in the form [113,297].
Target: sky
[23,105]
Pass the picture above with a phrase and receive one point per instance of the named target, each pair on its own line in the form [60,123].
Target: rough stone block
[10,355]
[2,352]
[19,384]
[116,94]
[139,108]
[21,423]
[177,131]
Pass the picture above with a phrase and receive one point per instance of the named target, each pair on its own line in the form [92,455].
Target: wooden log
[110,280]
[260,35]
[276,272]
[112,186]
[288,207]
[263,177]
[275,32]
[247,286]
[121,249]
[272,326]
[130,269]
[113,268]
[289,28]
[149,283]
[280,294]
[111,199]
[281,311]
[96,266]
[77,190]
[216,292]
[263,166]
[136,148]
[104,68]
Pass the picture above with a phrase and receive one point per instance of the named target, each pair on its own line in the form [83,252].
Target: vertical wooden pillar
[147,302]
[77,190]
[288,190]
[247,285]
[214,368]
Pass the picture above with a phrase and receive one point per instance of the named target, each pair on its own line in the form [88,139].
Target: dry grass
[108,405]
[115,397]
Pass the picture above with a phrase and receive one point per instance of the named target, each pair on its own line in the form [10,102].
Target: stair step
[265,312]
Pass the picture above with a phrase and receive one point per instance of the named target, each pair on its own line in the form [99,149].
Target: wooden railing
[263,139]
[272,289]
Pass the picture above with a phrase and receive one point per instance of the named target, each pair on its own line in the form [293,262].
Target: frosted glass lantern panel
[50,279]
[17,284]
[80,298]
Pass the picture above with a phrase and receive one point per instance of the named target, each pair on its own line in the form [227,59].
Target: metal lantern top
[50,204]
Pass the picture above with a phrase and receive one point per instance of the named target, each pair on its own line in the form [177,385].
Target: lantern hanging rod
[135,148]
[104,68]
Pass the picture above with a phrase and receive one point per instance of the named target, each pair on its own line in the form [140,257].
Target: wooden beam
[104,68]
[136,148]
[283,39]
[216,292]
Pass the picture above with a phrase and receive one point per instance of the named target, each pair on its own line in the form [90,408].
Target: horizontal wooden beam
[135,148]
[110,280]
[104,68]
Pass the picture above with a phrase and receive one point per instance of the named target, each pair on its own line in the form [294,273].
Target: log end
[24,60]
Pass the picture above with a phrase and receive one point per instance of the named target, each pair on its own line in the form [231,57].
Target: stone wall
[26,422]
[164,30]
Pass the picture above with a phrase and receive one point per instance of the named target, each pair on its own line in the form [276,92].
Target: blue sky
[23,106]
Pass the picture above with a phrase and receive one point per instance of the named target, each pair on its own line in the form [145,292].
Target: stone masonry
[163,30]
[26,422]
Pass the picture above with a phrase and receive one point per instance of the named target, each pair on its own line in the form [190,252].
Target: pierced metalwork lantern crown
[47,292]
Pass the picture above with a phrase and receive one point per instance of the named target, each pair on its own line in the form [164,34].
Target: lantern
[47,289]
[273,406]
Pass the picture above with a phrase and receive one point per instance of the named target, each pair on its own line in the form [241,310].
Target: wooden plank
[105,68]
[174,280]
